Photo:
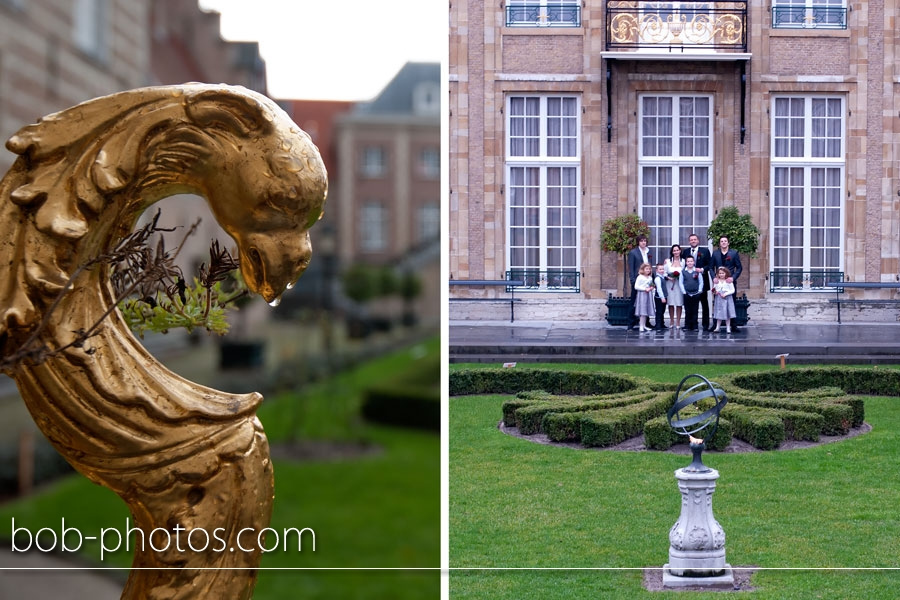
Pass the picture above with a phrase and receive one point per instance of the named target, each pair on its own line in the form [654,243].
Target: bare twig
[137,268]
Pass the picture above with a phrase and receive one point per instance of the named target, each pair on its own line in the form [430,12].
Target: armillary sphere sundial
[181,455]
[688,416]
[697,541]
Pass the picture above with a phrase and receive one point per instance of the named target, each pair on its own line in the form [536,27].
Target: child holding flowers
[674,268]
[644,303]
[723,299]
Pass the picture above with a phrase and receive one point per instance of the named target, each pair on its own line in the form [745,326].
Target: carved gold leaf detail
[179,454]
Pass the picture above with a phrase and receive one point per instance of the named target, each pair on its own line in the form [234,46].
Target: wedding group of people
[680,285]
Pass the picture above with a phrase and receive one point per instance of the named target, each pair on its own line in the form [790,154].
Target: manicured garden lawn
[371,511]
[517,504]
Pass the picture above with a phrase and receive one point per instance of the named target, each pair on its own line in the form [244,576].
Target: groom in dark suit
[636,257]
[702,261]
[726,257]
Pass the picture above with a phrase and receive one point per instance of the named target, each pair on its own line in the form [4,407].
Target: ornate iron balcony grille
[543,15]
[696,25]
[552,280]
[795,280]
[799,17]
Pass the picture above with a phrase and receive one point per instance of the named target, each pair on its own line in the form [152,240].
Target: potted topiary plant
[743,236]
[620,235]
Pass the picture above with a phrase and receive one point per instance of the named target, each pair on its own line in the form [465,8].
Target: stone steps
[701,359]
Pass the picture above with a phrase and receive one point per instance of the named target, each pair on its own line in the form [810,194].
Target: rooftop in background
[414,90]
[317,118]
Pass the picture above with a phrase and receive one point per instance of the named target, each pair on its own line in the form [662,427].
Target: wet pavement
[804,342]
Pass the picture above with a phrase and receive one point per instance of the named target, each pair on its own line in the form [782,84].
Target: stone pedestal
[696,541]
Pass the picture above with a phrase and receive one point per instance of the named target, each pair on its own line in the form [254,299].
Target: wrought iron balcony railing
[551,14]
[557,280]
[642,25]
[799,17]
[795,280]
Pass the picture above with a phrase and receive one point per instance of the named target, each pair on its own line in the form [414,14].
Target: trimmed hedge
[658,435]
[603,409]
[760,427]
[563,427]
[410,399]
[509,381]
[818,383]
[838,417]
[571,426]
[530,419]
[867,382]
[793,424]
[611,427]
[540,398]
[405,406]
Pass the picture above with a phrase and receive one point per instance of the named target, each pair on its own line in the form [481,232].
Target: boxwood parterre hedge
[604,409]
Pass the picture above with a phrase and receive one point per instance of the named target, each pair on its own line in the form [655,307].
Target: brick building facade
[564,115]
[57,53]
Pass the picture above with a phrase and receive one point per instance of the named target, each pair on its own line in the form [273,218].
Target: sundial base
[724,581]
[696,541]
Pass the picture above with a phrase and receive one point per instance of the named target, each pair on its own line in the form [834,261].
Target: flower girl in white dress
[723,302]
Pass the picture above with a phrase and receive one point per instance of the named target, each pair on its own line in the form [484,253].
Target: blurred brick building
[187,45]
[388,189]
[57,53]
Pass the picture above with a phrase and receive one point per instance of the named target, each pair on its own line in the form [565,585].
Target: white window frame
[544,189]
[373,223]
[373,162]
[430,162]
[428,221]
[798,154]
[540,13]
[667,156]
[90,27]
[805,14]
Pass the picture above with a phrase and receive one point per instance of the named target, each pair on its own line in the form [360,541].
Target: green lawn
[378,510]
[515,504]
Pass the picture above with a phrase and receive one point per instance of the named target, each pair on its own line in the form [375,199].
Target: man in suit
[691,282]
[636,257]
[702,260]
[726,257]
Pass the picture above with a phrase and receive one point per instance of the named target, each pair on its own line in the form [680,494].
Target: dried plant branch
[149,288]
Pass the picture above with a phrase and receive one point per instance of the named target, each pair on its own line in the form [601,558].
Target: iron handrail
[798,280]
[551,280]
[801,17]
[554,14]
[643,24]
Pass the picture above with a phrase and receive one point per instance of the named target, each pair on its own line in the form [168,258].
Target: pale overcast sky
[335,50]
